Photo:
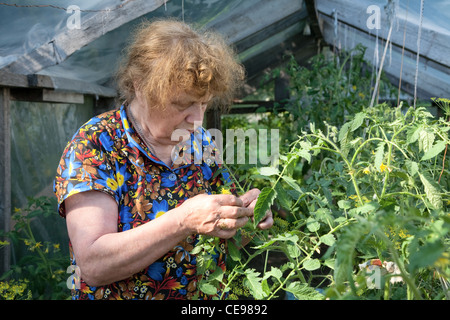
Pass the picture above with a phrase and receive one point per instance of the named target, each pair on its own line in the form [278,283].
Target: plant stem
[349,164]
[30,235]
[386,175]
[410,282]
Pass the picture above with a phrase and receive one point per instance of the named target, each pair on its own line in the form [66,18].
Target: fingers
[230,212]
[250,196]
[267,222]
[228,224]
[227,228]
[228,200]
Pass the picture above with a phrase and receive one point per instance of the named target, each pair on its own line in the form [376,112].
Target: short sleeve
[84,166]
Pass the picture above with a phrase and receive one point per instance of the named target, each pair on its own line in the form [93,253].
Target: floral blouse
[107,155]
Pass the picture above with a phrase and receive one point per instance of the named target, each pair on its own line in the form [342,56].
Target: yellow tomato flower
[366,170]
[225,190]
[384,167]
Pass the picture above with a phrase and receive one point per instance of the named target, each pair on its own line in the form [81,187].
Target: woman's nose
[196,113]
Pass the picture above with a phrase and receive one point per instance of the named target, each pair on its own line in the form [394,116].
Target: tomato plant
[373,190]
[361,196]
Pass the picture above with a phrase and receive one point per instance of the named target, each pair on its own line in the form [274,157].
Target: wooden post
[5,174]
[213,119]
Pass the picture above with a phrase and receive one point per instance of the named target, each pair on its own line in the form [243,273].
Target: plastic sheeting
[39,134]
[419,39]
[34,26]
[97,61]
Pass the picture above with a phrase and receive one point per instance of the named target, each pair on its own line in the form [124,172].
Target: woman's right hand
[215,215]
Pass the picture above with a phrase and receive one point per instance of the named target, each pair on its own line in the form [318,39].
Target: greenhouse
[341,124]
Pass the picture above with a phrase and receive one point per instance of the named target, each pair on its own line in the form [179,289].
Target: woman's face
[183,111]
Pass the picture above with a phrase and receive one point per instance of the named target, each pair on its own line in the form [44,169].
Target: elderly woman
[134,215]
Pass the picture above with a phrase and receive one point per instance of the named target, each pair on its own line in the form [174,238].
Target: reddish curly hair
[167,54]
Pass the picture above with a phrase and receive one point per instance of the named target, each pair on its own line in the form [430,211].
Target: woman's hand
[249,201]
[215,215]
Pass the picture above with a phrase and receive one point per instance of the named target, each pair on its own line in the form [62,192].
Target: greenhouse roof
[75,45]
[47,40]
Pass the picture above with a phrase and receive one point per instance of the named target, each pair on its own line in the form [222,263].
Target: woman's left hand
[249,199]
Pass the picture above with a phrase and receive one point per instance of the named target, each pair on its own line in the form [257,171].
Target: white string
[418,51]
[182,9]
[403,54]
[375,90]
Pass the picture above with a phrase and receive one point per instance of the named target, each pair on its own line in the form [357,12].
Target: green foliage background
[353,184]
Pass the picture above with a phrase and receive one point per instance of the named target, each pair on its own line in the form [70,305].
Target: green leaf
[358,120]
[216,275]
[274,272]
[344,130]
[413,167]
[265,200]
[413,134]
[253,283]
[282,197]
[286,237]
[426,140]
[268,171]
[368,207]
[292,183]
[233,251]
[293,250]
[426,255]
[311,264]
[434,151]
[328,239]
[302,291]
[432,191]
[379,155]
[207,288]
[312,224]
[344,204]
[346,248]
[305,154]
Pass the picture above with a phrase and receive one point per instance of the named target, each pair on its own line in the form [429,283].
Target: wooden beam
[62,97]
[8,79]
[255,106]
[93,25]
[5,173]
[12,80]
[46,95]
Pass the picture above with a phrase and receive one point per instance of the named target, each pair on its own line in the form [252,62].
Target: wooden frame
[5,173]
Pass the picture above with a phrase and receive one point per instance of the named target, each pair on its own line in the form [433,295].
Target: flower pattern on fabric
[107,155]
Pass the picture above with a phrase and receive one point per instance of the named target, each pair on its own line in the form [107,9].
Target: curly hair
[167,54]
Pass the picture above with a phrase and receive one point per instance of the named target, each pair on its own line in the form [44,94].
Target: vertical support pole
[5,174]
[213,120]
